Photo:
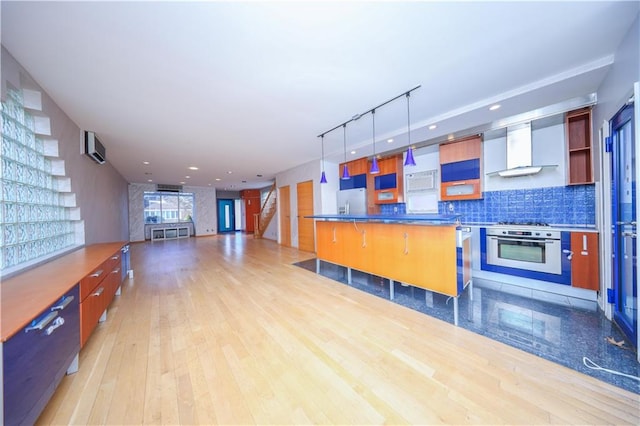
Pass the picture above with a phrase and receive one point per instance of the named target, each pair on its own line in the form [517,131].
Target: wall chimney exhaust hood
[519,153]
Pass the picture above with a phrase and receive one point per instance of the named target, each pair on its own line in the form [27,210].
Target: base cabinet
[96,292]
[585,270]
[36,358]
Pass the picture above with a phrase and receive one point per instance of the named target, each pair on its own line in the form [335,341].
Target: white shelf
[169,233]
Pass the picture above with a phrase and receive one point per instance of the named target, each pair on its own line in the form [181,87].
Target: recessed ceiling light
[433,126]
[193,168]
[187,177]
[182,183]
[145,162]
[353,152]
[229,172]
[209,184]
[389,140]
[218,179]
[149,180]
[450,137]
[494,107]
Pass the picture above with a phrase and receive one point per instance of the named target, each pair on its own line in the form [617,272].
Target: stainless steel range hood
[519,153]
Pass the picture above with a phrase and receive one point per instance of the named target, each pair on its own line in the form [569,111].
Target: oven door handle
[524,240]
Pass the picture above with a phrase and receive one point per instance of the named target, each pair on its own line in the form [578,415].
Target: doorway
[226,215]
[624,222]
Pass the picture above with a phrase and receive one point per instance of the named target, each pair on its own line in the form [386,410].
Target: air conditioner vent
[168,188]
[421,181]
[93,148]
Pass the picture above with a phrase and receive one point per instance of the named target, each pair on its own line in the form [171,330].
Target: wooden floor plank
[224,330]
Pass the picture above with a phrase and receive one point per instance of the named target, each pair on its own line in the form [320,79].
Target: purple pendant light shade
[374,167]
[374,164]
[409,160]
[345,169]
[323,178]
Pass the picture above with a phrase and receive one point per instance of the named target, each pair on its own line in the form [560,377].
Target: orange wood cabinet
[579,147]
[97,290]
[461,169]
[356,167]
[387,166]
[585,270]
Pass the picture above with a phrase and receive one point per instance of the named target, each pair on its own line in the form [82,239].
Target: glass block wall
[38,217]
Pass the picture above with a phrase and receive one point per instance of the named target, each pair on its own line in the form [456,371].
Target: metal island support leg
[391,289]
[455,310]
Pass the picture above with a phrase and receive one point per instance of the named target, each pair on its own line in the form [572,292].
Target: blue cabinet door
[34,361]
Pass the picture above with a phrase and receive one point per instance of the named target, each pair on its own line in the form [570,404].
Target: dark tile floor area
[564,333]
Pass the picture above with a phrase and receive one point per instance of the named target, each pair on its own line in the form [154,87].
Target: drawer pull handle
[57,323]
[406,243]
[115,257]
[116,271]
[98,292]
[43,322]
[96,274]
[63,304]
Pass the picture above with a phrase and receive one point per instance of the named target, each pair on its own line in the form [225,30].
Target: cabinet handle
[458,183]
[334,235]
[63,304]
[364,238]
[43,322]
[406,243]
[116,257]
[116,271]
[96,274]
[98,292]
[59,322]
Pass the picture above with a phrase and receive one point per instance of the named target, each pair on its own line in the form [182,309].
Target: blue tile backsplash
[560,205]
[396,208]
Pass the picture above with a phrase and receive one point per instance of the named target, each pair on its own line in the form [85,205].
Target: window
[160,207]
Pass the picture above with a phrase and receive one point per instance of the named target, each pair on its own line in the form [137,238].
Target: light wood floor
[225,330]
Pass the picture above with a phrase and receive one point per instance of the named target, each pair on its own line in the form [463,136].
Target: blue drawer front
[35,363]
[357,181]
[386,181]
[461,170]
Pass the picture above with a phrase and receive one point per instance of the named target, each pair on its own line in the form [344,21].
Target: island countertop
[432,219]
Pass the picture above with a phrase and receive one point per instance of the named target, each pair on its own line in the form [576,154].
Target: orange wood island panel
[423,256]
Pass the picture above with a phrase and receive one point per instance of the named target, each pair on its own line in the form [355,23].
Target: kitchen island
[428,251]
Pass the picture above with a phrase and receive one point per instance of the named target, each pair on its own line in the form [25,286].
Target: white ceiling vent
[168,188]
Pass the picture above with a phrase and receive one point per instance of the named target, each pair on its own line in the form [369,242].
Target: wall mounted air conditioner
[421,181]
[93,148]
[161,187]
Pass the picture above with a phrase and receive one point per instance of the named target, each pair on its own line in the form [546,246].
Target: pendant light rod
[357,116]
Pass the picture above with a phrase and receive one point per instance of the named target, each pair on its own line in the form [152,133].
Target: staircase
[268,210]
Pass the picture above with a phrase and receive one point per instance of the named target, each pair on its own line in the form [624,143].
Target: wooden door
[306,239]
[285,215]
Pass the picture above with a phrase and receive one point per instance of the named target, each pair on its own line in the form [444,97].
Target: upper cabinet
[388,184]
[358,170]
[461,169]
[579,146]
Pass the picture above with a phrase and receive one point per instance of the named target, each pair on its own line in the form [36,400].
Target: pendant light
[323,178]
[374,164]
[345,169]
[409,161]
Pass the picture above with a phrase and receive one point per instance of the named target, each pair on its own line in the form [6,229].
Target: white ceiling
[247,87]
